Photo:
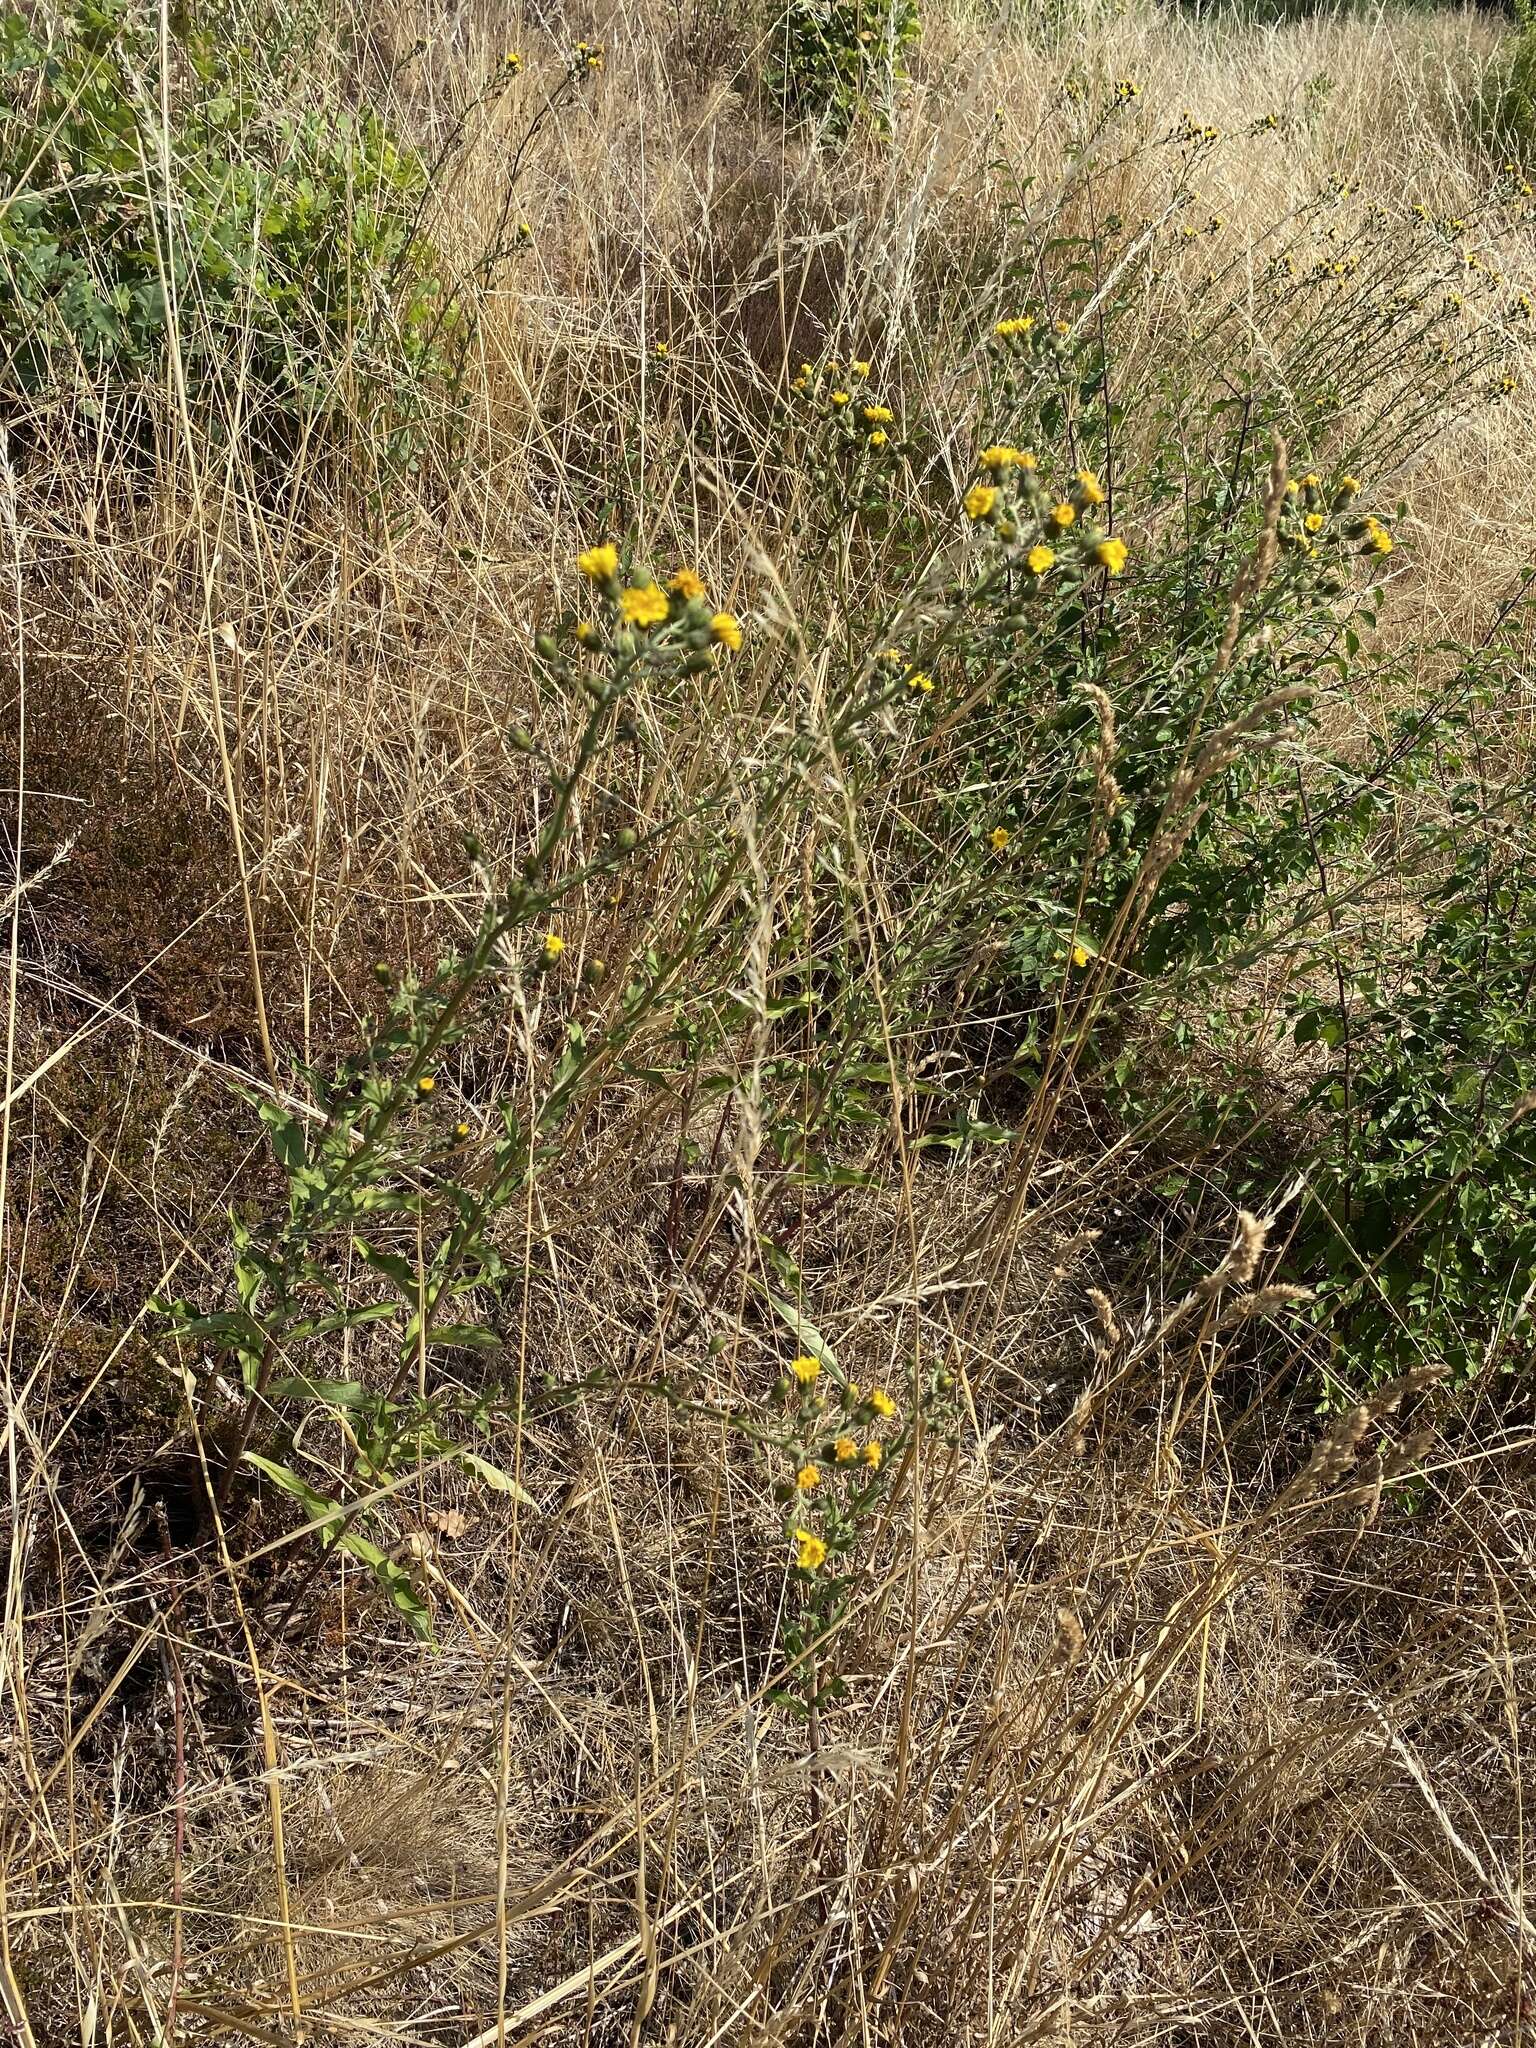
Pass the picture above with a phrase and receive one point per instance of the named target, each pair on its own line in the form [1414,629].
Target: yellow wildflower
[687,584]
[1062,516]
[587,634]
[999,456]
[1039,559]
[919,680]
[879,438]
[1110,555]
[805,1368]
[426,1084]
[810,1551]
[725,628]
[1080,955]
[997,839]
[874,1451]
[644,604]
[1314,522]
[1089,490]
[859,369]
[845,1450]
[599,563]
[840,398]
[512,61]
[879,415]
[553,947]
[881,1402]
[807,1477]
[980,500]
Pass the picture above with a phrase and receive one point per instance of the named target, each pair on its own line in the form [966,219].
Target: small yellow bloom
[807,1477]
[874,1451]
[881,1402]
[810,1551]
[1089,489]
[999,456]
[553,947]
[687,584]
[644,604]
[1079,956]
[1377,541]
[919,680]
[879,438]
[997,839]
[587,634]
[426,1084]
[878,415]
[979,500]
[1349,487]
[461,1132]
[1039,559]
[1314,522]
[512,61]
[840,397]
[1110,555]
[845,1450]
[599,563]
[1008,330]
[805,1368]
[1062,516]
[725,629]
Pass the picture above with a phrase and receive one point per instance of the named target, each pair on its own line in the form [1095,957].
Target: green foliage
[836,61]
[1422,1212]
[186,192]
[1505,111]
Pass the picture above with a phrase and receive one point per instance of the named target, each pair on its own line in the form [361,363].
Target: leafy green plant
[153,193]
[835,61]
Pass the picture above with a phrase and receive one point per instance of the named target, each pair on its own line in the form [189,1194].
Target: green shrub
[834,61]
[279,245]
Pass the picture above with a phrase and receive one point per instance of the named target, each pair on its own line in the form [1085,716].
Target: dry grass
[1148,1739]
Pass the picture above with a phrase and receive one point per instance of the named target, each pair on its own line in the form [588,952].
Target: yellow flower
[1080,955]
[1062,516]
[1006,330]
[1314,522]
[1063,326]
[644,604]
[810,1551]
[1377,541]
[874,1451]
[661,350]
[879,415]
[599,563]
[979,500]
[807,1477]
[512,61]
[845,1450]
[892,655]
[1039,559]
[805,1368]
[919,680]
[554,946]
[881,1402]
[725,628]
[587,634]
[687,584]
[859,369]
[997,839]
[1089,490]
[426,1084]
[879,438]
[840,398]
[999,456]
[461,1132]
[1110,555]
[1349,487]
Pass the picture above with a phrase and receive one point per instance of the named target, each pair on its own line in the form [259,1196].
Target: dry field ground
[1172,1709]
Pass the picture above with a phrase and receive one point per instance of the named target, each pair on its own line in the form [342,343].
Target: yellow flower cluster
[646,607]
[1012,501]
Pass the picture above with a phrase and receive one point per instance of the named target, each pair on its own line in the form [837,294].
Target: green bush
[836,60]
[278,244]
